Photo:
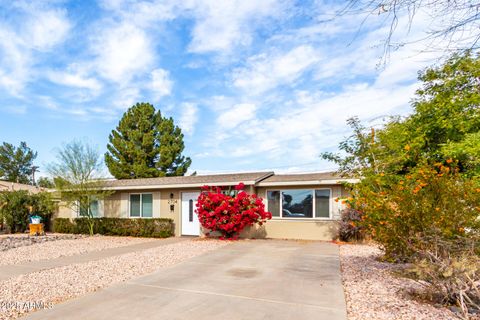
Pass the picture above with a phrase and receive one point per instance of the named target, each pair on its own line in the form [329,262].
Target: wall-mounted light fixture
[172,202]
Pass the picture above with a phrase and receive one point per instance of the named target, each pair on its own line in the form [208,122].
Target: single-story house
[302,205]
[13,186]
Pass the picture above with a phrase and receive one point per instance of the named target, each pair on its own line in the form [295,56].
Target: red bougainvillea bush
[230,214]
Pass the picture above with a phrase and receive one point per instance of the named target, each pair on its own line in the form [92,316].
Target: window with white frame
[299,203]
[141,205]
[91,211]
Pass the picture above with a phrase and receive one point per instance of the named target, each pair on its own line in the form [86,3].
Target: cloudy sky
[254,85]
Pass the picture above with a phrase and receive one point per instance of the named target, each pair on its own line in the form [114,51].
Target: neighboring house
[302,205]
[13,186]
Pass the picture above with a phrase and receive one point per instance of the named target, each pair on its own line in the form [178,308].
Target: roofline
[265,176]
[178,186]
[310,182]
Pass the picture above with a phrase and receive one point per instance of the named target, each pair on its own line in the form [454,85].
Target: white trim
[314,218]
[141,205]
[178,186]
[304,183]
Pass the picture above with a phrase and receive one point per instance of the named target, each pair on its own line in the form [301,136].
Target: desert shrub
[449,271]
[63,225]
[150,228]
[349,228]
[229,213]
[430,201]
[17,206]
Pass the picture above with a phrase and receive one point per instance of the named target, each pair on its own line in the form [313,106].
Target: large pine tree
[146,145]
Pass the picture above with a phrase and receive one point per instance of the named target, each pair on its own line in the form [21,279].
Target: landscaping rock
[15,241]
[372,291]
[22,248]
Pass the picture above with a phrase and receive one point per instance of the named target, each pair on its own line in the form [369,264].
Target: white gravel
[60,248]
[11,241]
[59,284]
[373,292]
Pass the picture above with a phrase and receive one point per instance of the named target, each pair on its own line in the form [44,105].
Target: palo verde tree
[16,163]
[145,145]
[78,178]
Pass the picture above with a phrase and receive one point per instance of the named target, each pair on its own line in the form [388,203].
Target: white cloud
[161,84]
[265,71]
[236,115]
[222,25]
[74,78]
[47,29]
[37,28]
[122,51]
[188,117]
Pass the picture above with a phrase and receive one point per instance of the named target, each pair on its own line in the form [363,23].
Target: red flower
[240,186]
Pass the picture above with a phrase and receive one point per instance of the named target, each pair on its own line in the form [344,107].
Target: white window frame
[78,210]
[281,217]
[141,205]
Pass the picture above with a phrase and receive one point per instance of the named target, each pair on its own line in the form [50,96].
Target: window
[273,203]
[93,209]
[141,205]
[190,210]
[299,203]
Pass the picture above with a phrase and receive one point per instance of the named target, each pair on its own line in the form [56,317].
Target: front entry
[190,223]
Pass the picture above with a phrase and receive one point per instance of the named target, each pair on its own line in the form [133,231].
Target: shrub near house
[149,228]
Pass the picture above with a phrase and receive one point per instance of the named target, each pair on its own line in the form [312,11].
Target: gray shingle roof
[190,181]
[303,178]
[13,186]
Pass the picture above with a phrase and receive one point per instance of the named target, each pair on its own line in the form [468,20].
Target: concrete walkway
[9,271]
[260,279]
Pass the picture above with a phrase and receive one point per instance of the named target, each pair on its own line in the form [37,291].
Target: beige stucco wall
[293,229]
[64,212]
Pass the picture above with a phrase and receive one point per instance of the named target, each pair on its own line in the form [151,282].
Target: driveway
[256,279]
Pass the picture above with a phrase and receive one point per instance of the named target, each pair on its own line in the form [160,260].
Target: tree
[16,163]
[45,182]
[453,22]
[78,178]
[445,124]
[17,206]
[145,145]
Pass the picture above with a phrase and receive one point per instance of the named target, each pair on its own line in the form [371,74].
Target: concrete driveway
[256,279]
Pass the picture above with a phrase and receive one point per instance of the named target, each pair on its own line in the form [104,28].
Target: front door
[190,224]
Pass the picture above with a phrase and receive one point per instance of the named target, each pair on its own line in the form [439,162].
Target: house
[302,205]
[13,186]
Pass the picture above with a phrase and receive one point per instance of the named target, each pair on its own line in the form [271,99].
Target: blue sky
[255,85]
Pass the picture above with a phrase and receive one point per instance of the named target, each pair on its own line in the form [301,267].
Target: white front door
[190,223]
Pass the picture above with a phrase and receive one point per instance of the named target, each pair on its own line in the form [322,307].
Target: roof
[13,186]
[250,178]
[304,179]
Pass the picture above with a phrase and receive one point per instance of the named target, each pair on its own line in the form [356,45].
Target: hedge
[150,228]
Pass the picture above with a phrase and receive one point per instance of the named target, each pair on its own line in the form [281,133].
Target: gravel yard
[373,292]
[11,241]
[22,248]
[59,284]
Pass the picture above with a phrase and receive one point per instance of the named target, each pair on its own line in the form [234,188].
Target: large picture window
[299,203]
[141,205]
